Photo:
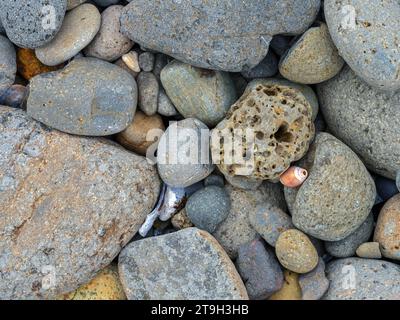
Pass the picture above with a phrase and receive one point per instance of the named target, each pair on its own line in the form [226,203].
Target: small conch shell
[293,177]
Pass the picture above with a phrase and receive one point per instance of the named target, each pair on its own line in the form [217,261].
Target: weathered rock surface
[8,64]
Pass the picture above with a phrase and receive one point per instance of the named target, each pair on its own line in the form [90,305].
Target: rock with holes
[363,279]
[366,32]
[230,35]
[338,195]
[68,205]
[88,97]
[263,133]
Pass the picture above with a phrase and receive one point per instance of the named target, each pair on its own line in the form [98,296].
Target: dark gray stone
[148,88]
[229,35]
[398,180]
[266,68]
[89,97]
[214,180]
[385,187]
[8,63]
[146,61]
[314,284]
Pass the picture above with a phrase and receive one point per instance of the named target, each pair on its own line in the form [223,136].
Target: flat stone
[185,265]
[69,204]
[8,64]
[234,35]
[88,97]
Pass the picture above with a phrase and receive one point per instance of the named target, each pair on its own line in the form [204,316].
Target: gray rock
[266,68]
[78,30]
[385,187]
[2,30]
[234,35]
[244,182]
[148,92]
[109,43]
[165,105]
[26,24]
[198,93]
[348,105]
[74,3]
[347,247]
[366,34]
[176,167]
[363,279]
[259,269]
[185,265]
[68,205]
[398,180]
[270,222]
[14,96]
[337,196]
[314,284]
[236,229]
[208,207]
[105,3]
[280,44]
[8,63]
[214,180]
[146,61]
[89,97]
[160,62]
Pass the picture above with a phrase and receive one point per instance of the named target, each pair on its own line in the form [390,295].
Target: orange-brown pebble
[293,177]
[29,65]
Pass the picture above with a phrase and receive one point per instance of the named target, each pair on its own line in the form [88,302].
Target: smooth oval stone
[146,61]
[188,265]
[88,97]
[68,205]
[363,279]
[177,165]
[369,250]
[387,231]
[208,207]
[313,58]
[314,284]
[148,88]
[221,35]
[109,44]
[348,105]
[165,106]
[79,28]
[8,63]
[32,23]
[347,247]
[338,194]
[366,34]
[197,93]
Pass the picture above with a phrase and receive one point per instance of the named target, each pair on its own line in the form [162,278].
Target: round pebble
[369,250]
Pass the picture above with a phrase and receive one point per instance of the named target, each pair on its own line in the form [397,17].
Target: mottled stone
[314,284]
[79,28]
[148,88]
[88,97]
[181,220]
[197,93]
[366,34]
[348,105]
[313,58]
[259,269]
[26,24]
[338,194]
[8,64]
[369,250]
[15,96]
[69,204]
[185,265]
[363,279]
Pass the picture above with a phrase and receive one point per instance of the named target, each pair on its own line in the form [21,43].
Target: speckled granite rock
[24,20]
[69,204]
[234,35]
[363,279]
[348,105]
[366,34]
[185,265]
[8,63]
[338,194]
[88,97]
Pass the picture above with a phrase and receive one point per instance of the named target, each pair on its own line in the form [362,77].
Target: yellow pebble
[291,289]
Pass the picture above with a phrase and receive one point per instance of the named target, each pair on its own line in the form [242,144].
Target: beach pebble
[165,106]
[79,28]
[208,207]
[266,68]
[146,61]
[280,44]
[314,284]
[185,265]
[173,146]
[363,279]
[296,252]
[69,204]
[313,58]
[202,94]
[291,289]
[214,180]
[25,24]
[29,65]
[105,3]
[243,182]
[141,133]
[181,220]
[233,41]
[15,96]
[366,34]
[387,231]
[270,222]
[8,64]
[259,269]
[109,44]
[148,87]
[88,97]
[386,188]
[347,247]
[338,194]
[369,250]
[348,105]
[74,3]
[398,180]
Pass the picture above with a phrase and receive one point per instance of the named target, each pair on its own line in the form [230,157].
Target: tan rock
[291,289]
[369,250]
[181,220]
